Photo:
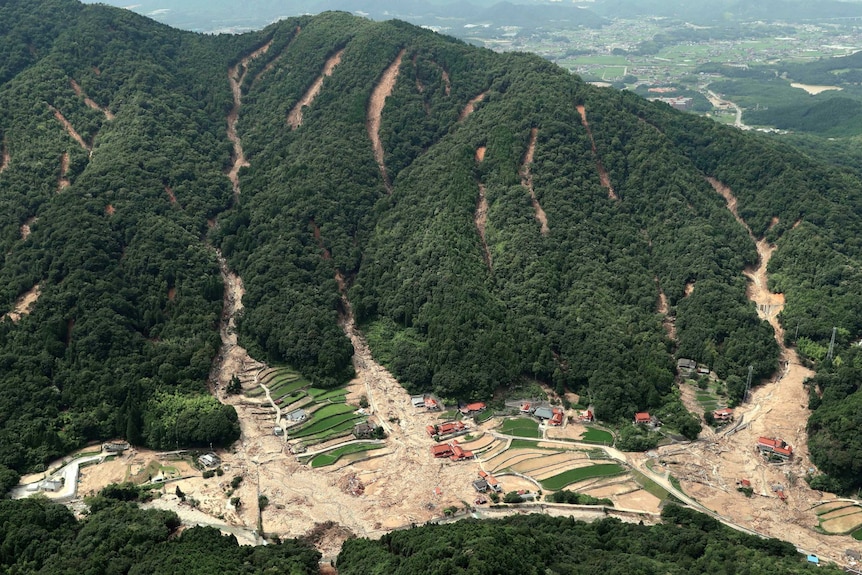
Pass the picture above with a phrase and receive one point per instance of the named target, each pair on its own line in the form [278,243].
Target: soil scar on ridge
[62,181]
[69,129]
[527,181]
[89,102]
[375,112]
[5,157]
[236,76]
[471,106]
[294,118]
[24,305]
[271,64]
[604,178]
[480,218]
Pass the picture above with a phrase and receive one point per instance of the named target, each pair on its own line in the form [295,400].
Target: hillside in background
[491,218]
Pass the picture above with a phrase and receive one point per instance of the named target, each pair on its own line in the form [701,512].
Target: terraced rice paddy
[330,457]
[334,418]
[570,476]
[840,517]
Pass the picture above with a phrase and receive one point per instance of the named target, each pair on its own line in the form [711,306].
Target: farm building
[491,481]
[685,365]
[364,430]
[557,417]
[723,414]
[472,408]
[297,415]
[642,418]
[768,446]
[209,460]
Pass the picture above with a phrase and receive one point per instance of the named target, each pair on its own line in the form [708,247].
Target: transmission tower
[748,384]
[830,353]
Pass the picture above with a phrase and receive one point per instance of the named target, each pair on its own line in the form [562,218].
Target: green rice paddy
[599,436]
[565,478]
[330,457]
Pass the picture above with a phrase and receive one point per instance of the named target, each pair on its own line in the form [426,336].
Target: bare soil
[481,218]
[5,157]
[639,500]
[62,181]
[471,106]
[25,227]
[69,129]
[271,64]
[854,510]
[294,118]
[171,197]
[446,82]
[569,431]
[236,77]
[110,209]
[604,178]
[24,304]
[663,308]
[527,181]
[375,112]
[689,288]
[90,103]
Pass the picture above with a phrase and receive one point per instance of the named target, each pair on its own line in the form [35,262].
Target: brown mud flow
[375,112]
[604,178]
[62,181]
[527,182]
[294,118]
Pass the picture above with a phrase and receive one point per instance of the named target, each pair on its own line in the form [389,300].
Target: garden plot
[841,520]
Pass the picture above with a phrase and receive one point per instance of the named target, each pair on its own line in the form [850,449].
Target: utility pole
[748,384]
[830,354]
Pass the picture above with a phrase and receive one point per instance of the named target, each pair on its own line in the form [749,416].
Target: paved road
[68,472]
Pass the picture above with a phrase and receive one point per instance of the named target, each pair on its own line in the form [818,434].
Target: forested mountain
[531,238]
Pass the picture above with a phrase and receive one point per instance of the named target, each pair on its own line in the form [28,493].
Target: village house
[586,416]
[364,430]
[543,413]
[472,408]
[723,414]
[491,481]
[642,418]
[526,407]
[774,447]
[451,450]
[209,460]
[685,366]
[296,416]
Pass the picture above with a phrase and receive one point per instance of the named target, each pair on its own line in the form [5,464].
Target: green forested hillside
[686,543]
[115,130]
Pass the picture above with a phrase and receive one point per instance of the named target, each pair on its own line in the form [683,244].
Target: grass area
[565,478]
[675,482]
[596,435]
[521,427]
[485,415]
[857,535]
[650,486]
[334,455]
[450,415]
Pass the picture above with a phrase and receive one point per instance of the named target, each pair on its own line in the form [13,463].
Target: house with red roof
[472,408]
[557,417]
[586,416]
[723,414]
[774,446]
[642,418]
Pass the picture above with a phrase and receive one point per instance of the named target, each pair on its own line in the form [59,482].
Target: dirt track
[527,181]
[294,118]
[375,112]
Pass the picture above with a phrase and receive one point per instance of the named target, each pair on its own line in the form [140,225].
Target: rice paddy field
[521,427]
[333,455]
[840,517]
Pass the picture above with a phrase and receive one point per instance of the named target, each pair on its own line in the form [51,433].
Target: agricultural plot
[326,418]
[512,457]
[597,436]
[565,478]
[531,466]
[332,456]
[840,519]
[521,427]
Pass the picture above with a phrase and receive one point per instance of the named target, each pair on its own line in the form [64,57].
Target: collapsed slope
[558,283]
